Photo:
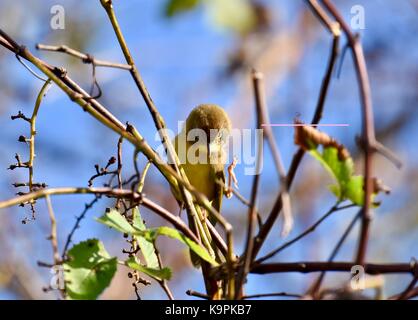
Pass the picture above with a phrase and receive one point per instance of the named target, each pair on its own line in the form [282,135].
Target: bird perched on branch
[200,148]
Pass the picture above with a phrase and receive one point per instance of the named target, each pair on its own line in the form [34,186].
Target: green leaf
[89,270]
[157,273]
[115,220]
[348,187]
[152,235]
[174,7]
[355,190]
[336,159]
[147,248]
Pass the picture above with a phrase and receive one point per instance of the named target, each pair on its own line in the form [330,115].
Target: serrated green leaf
[174,7]
[89,270]
[157,273]
[115,220]
[342,171]
[147,248]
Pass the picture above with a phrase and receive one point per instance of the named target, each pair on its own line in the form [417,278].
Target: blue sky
[180,61]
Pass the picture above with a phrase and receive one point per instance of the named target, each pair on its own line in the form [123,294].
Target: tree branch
[307,267]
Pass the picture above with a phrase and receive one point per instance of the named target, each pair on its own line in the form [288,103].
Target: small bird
[200,147]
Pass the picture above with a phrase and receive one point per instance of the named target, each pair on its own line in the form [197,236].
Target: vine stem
[32,121]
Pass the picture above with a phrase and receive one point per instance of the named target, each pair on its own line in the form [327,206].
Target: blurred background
[192,52]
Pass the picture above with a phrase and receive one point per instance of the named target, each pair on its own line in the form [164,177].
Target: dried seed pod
[308,138]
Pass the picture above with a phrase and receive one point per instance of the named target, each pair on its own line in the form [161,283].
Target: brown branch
[86,58]
[409,289]
[116,193]
[60,77]
[297,158]
[119,168]
[277,158]
[274,294]
[197,294]
[368,126]
[411,294]
[317,284]
[307,267]
[247,203]
[53,236]
[163,283]
[312,228]
[216,237]
[252,212]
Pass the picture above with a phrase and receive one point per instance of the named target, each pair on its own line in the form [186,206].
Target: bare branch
[86,58]
[117,193]
[312,228]
[307,267]
[252,212]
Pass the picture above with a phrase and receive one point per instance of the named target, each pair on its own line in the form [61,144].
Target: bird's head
[213,121]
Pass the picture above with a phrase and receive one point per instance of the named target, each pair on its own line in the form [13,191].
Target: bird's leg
[231,178]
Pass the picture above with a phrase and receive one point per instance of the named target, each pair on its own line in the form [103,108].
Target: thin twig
[411,294]
[408,289]
[244,201]
[274,294]
[309,230]
[317,284]
[117,193]
[86,58]
[307,267]
[31,142]
[261,237]
[197,294]
[53,236]
[162,282]
[119,169]
[76,226]
[406,293]
[368,126]
[252,212]
[277,158]
[30,69]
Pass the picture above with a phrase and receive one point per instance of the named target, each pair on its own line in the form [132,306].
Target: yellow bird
[200,147]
